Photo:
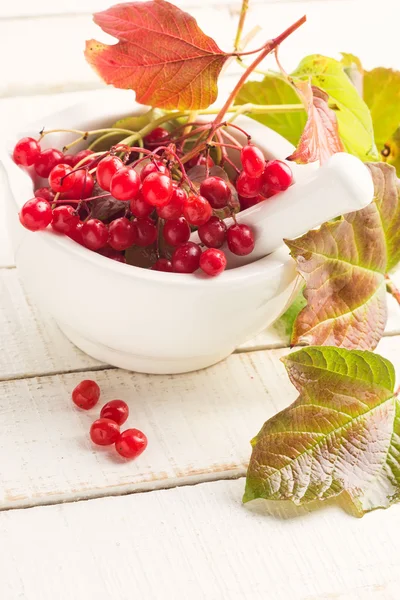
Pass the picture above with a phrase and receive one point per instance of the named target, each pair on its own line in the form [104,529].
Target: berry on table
[94,234]
[197,210]
[157,137]
[253,160]
[213,233]
[186,258]
[157,189]
[47,160]
[131,443]
[104,432]
[216,190]
[116,410]
[106,169]
[36,214]
[248,186]
[86,394]
[240,239]
[277,176]
[26,152]
[145,232]
[65,219]
[176,231]
[174,208]
[163,264]
[61,178]
[213,262]
[139,207]
[125,184]
[121,234]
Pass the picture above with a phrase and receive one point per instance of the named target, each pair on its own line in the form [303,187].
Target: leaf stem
[242,18]
[392,289]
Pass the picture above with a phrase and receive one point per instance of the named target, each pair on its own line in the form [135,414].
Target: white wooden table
[77,522]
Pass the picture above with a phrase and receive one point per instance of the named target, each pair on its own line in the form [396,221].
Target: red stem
[392,289]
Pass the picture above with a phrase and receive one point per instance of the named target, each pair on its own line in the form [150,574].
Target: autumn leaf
[162,54]
[343,264]
[339,438]
[320,138]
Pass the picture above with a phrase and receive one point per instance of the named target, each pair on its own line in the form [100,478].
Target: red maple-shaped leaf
[162,54]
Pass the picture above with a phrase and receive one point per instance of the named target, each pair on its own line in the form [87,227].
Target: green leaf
[343,264]
[341,437]
[382,95]
[284,325]
[392,151]
[273,89]
[354,119]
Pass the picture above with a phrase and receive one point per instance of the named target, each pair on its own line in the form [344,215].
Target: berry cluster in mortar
[157,200]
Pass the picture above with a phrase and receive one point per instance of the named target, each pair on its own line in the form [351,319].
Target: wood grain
[196,542]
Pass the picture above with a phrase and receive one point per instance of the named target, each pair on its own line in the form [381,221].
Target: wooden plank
[196,542]
[199,426]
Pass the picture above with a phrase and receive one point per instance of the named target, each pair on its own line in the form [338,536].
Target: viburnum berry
[145,232]
[277,176]
[104,432]
[216,191]
[131,443]
[153,167]
[174,208]
[213,262]
[176,231]
[200,160]
[163,264]
[82,187]
[116,410]
[61,178]
[157,189]
[77,158]
[253,160]
[248,186]
[86,394]
[45,193]
[139,207]
[197,210]
[47,160]
[75,233]
[186,258]
[213,233]
[249,202]
[36,214]
[94,234]
[106,169]
[113,254]
[121,234]
[157,137]
[240,239]
[26,152]
[65,219]
[125,184]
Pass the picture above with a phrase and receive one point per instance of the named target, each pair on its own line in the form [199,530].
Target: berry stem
[242,18]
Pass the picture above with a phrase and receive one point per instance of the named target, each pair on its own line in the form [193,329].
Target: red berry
[186,258]
[213,262]
[77,158]
[155,138]
[68,159]
[75,233]
[82,187]
[61,178]
[216,191]
[174,208]
[106,169]
[277,176]
[240,240]
[45,193]
[157,189]
[47,160]
[125,184]
[121,234]
[145,232]
[104,432]
[248,186]
[253,160]
[200,160]
[197,210]
[65,219]
[139,207]
[248,202]
[176,231]
[116,410]
[86,394]
[94,234]
[36,214]
[131,443]
[213,233]
[153,167]
[113,254]
[26,151]
[163,264]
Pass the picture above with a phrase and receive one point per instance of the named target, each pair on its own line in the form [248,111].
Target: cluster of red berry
[106,430]
[160,200]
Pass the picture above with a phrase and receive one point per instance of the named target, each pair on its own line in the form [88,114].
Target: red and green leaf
[162,55]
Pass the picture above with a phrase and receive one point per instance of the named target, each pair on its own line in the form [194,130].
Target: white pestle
[342,185]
